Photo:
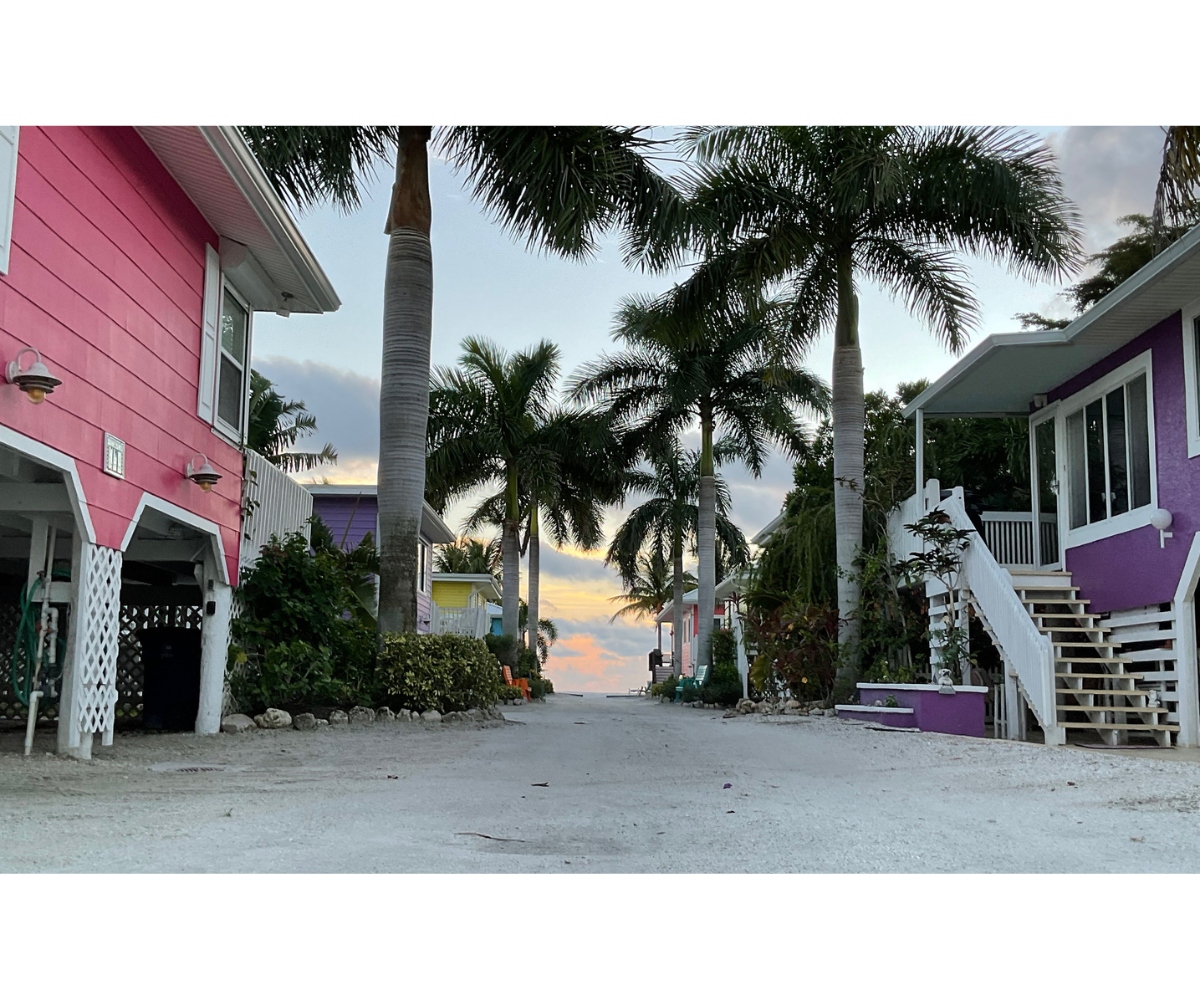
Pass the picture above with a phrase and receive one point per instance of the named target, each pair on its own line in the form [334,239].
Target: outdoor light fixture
[1162,520]
[203,475]
[35,381]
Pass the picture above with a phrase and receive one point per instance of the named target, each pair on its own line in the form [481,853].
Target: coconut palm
[1176,200]
[275,425]
[557,187]
[469,555]
[673,374]
[485,417]
[547,634]
[816,210]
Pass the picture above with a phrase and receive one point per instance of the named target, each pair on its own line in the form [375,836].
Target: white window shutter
[8,189]
[208,333]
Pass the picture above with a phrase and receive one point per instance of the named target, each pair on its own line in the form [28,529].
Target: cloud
[595,655]
[345,403]
[567,566]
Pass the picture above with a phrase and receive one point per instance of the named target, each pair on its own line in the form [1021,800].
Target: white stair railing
[1027,653]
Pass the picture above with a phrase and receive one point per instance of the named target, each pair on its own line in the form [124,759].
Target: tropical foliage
[650,588]
[469,555]
[276,424]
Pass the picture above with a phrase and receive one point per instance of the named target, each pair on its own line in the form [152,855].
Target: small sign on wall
[114,456]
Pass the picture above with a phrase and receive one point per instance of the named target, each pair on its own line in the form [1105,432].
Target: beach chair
[696,682]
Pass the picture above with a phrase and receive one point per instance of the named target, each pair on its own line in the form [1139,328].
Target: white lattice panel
[99,622]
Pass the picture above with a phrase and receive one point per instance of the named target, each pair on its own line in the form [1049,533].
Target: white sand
[638,788]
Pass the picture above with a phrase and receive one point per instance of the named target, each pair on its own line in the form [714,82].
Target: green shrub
[724,649]
[527,664]
[449,673]
[537,687]
[503,648]
[690,693]
[303,635]
[724,685]
[510,692]
[549,685]
[667,687]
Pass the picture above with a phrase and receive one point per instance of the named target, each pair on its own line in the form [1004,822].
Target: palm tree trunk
[404,383]
[677,605]
[848,447]
[706,543]
[510,546]
[534,569]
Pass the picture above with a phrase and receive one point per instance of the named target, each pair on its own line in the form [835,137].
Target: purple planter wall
[1130,569]
[960,714]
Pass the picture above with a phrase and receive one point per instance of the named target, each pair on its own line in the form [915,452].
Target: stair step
[1124,677]
[1084,644]
[1126,709]
[1061,600]
[1092,659]
[1073,628]
[1038,588]
[1157,727]
[1065,614]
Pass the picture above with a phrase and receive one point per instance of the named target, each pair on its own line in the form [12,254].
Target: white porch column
[214,647]
[89,682]
[920,480]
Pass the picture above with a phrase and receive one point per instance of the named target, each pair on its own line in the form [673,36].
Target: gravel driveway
[630,786]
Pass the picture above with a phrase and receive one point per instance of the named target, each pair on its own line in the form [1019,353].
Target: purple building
[1090,595]
[351,511]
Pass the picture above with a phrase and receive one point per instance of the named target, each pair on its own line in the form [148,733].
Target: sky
[488,284]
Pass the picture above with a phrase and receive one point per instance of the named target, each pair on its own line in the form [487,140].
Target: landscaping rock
[384,714]
[792,704]
[273,718]
[305,721]
[322,722]
[338,718]
[237,723]
[361,716]
[404,715]
[433,715]
[474,714]
[455,717]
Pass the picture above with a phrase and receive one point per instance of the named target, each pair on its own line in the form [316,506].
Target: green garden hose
[24,657]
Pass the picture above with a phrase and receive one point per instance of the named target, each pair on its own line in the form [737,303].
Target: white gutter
[237,159]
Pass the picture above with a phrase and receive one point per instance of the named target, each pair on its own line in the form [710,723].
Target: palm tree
[485,418]
[674,373]
[276,424]
[547,634]
[469,555]
[558,187]
[1175,201]
[649,590]
[818,209]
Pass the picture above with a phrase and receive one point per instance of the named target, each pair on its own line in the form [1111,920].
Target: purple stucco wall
[338,512]
[1130,570]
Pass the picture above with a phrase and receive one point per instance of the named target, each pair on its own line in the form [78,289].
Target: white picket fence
[1009,534]
[272,504]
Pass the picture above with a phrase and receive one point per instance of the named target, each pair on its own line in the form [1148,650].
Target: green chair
[696,682]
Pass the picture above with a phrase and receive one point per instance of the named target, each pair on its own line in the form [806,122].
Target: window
[231,362]
[422,557]
[1191,375]
[9,135]
[1108,453]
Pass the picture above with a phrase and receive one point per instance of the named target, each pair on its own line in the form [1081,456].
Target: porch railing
[1009,534]
[273,503]
[1027,653]
[471,621]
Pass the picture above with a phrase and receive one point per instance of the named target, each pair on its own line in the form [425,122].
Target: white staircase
[1093,686]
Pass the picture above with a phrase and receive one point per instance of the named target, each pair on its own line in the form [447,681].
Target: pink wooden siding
[106,279]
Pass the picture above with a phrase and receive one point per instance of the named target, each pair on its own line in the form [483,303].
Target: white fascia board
[235,155]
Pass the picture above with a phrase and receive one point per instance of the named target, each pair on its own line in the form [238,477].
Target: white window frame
[1117,524]
[10,140]
[236,436]
[1191,392]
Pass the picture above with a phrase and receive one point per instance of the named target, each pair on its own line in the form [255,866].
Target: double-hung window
[1109,452]
[232,363]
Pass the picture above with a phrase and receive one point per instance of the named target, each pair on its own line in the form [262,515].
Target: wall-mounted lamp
[1162,520]
[285,306]
[203,474]
[35,381]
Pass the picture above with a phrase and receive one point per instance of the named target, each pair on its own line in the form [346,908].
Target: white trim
[1187,684]
[10,135]
[150,502]
[1191,313]
[1117,524]
[1047,414]
[46,455]
[862,686]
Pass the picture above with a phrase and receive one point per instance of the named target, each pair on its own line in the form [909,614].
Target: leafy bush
[549,685]
[527,664]
[690,693]
[510,692]
[449,673]
[724,685]
[537,687]
[656,690]
[667,687]
[797,649]
[303,636]
[503,648]
[724,649]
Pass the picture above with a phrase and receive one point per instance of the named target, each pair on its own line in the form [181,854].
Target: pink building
[132,261]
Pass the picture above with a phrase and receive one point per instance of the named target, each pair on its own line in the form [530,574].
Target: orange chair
[507,676]
[523,684]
